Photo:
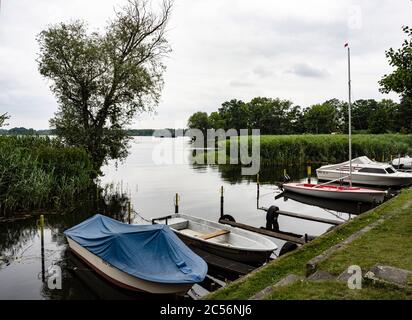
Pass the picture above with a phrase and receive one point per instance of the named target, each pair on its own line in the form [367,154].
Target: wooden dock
[265,232]
[306,217]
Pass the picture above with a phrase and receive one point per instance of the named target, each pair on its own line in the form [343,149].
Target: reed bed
[40,172]
[302,149]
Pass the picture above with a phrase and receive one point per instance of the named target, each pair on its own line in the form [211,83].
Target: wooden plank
[214,234]
[306,217]
[265,232]
[223,263]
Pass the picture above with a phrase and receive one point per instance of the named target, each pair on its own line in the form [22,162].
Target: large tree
[103,79]
[235,114]
[321,118]
[200,121]
[400,80]
[272,116]
[3,119]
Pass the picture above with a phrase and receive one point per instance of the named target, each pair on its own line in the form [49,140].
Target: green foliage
[41,173]
[321,118]
[235,114]
[400,80]
[102,80]
[3,118]
[300,149]
[281,117]
[200,121]
[295,262]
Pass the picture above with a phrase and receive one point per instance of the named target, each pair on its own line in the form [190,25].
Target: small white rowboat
[222,240]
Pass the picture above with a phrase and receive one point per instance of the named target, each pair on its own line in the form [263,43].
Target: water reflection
[334,205]
[151,188]
[25,257]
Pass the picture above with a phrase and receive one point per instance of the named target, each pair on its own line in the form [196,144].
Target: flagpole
[350,120]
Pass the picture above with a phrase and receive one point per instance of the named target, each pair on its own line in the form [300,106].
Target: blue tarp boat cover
[150,252]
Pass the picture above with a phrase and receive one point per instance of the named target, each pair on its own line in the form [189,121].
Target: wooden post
[129,212]
[177,203]
[258,189]
[222,202]
[41,225]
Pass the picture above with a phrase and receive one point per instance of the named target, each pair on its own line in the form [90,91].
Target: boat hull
[335,194]
[245,256]
[122,279]
[364,179]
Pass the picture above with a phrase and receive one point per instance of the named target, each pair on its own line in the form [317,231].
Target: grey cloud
[262,71]
[221,50]
[305,70]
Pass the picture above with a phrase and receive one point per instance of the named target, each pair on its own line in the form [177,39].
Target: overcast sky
[222,49]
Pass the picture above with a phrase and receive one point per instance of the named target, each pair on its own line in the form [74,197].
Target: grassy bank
[300,149]
[39,172]
[295,262]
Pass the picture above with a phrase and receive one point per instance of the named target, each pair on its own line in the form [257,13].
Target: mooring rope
[141,217]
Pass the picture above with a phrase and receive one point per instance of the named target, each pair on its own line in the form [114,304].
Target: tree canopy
[276,116]
[400,80]
[103,79]
[3,119]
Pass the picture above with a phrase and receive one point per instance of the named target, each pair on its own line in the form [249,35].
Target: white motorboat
[365,172]
[404,163]
[337,192]
[222,240]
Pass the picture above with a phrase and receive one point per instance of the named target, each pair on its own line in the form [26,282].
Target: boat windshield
[390,170]
[372,170]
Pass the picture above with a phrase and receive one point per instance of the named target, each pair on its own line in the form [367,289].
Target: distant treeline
[282,117]
[26,132]
[131,132]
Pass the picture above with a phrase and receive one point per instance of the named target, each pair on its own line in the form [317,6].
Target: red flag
[346,44]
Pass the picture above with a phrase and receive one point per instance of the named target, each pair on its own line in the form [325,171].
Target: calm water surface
[151,187]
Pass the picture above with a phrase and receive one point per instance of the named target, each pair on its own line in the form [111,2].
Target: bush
[37,172]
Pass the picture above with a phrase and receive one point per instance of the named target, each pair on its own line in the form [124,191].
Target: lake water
[151,187]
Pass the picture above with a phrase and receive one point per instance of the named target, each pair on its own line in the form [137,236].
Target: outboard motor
[272,216]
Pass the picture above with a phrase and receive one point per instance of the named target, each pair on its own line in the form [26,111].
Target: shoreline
[293,266]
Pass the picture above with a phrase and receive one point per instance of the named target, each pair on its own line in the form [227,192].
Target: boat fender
[227,217]
[287,247]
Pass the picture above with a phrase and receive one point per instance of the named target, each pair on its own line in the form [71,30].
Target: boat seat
[178,223]
[214,234]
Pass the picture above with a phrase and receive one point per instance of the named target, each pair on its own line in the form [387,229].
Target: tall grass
[301,149]
[37,172]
